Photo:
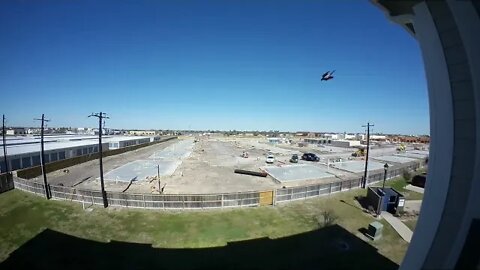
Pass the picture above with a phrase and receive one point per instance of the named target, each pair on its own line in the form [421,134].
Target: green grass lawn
[399,184]
[24,216]
[411,224]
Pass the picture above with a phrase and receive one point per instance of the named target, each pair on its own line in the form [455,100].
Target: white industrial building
[28,155]
[24,152]
[345,143]
[121,142]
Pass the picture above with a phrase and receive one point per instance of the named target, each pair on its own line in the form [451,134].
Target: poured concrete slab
[296,172]
[167,160]
[140,169]
[395,159]
[179,150]
[356,166]
[413,155]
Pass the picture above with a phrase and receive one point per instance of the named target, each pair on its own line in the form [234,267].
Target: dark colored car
[294,158]
[310,157]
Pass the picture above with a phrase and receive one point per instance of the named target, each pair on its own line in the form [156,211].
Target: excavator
[401,148]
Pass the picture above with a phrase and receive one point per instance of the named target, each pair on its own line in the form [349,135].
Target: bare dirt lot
[209,168]
[205,165]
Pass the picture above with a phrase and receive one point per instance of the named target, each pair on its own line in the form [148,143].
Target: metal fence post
[144,202]
[274,194]
[222,200]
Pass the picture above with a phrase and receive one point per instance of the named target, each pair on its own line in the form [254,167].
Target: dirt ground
[208,169]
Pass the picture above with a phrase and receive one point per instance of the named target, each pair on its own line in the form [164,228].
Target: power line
[42,157]
[365,175]
[101,116]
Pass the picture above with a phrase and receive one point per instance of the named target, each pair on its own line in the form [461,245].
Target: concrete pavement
[399,226]
[414,188]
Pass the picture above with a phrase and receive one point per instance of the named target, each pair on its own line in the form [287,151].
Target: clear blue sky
[244,65]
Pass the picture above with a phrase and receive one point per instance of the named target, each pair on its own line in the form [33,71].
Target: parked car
[310,157]
[294,158]
[270,159]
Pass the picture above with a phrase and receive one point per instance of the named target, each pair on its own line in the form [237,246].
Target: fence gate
[266,197]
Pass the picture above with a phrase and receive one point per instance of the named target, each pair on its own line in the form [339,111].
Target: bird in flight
[327,75]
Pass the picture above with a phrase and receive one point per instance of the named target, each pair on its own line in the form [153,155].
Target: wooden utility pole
[365,175]
[100,117]
[4,146]
[42,156]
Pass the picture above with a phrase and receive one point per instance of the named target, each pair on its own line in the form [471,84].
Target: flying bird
[327,75]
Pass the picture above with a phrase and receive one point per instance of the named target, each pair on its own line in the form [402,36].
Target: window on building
[2,167]
[95,149]
[15,163]
[47,158]
[61,155]
[26,162]
[90,150]
[36,160]
[54,156]
[85,151]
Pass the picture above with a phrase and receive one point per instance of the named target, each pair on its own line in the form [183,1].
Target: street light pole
[385,168]
[158,177]
[100,117]
[365,175]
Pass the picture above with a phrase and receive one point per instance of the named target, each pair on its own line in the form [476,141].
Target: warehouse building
[345,143]
[28,155]
[121,142]
[337,143]
[24,152]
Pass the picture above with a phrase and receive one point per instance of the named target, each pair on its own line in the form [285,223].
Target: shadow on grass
[330,247]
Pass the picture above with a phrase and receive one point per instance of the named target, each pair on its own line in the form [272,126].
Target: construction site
[224,164]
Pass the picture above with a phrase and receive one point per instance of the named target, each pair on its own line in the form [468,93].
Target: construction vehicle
[359,153]
[401,148]
[245,154]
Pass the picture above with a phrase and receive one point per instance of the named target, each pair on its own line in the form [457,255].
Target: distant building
[142,132]
[16,131]
[345,143]
[301,134]
[277,140]
[410,139]
[378,137]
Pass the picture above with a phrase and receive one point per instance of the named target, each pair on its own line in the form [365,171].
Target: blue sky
[244,65]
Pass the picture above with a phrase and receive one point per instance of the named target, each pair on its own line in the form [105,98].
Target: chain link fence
[150,201]
[304,192]
[204,201]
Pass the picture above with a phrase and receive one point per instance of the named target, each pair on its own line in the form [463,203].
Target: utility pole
[100,117]
[365,175]
[4,146]
[42,155]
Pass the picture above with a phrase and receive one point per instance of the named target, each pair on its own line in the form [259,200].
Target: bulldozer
[359,153]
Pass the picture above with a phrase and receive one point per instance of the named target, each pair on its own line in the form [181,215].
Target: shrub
[407,175]
[327,218]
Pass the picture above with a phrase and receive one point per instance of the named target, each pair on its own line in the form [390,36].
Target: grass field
[411,224]
[33,229]
[399,184]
